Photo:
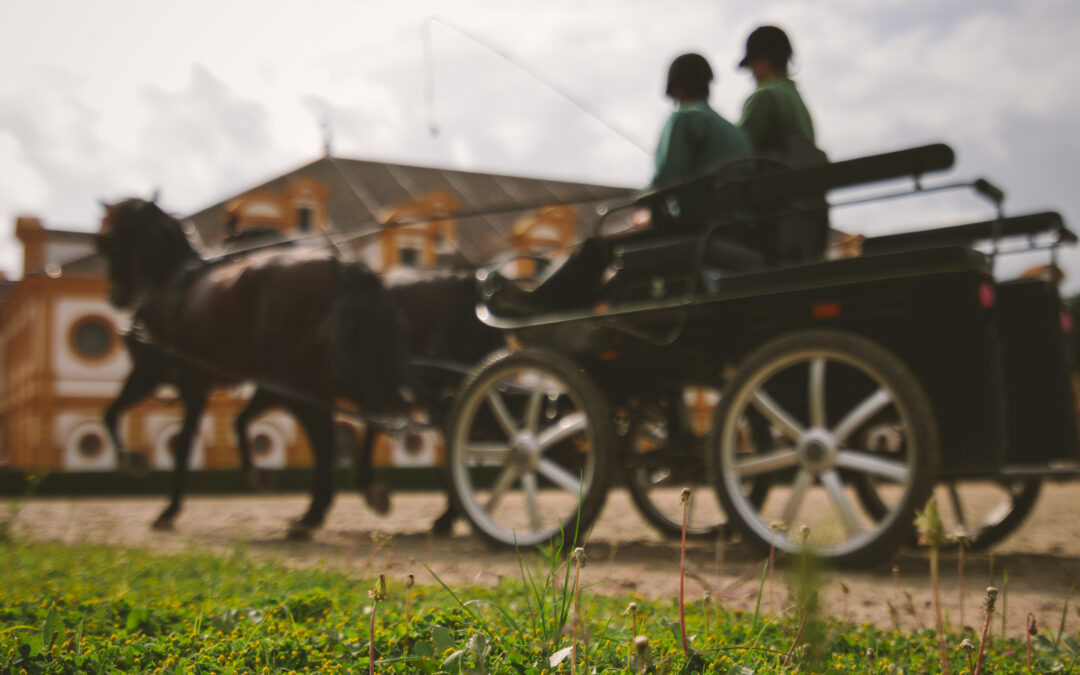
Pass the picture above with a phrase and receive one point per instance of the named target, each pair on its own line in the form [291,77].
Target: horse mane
[160,239]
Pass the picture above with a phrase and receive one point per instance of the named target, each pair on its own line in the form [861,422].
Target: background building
[62,360]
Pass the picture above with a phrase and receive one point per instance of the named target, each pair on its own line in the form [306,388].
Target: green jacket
[695,139]
[774,115]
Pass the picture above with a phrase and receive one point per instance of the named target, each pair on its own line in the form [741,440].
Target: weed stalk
[1032,629]
[376,594]
[991,598]
[961,546]
[705,602]
[932,534]
[578,558]
[685,497]
[1004,600]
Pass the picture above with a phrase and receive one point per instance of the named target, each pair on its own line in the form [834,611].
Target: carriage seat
[668,267]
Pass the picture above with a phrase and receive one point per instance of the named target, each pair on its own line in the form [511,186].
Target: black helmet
[691,74]
[769,42]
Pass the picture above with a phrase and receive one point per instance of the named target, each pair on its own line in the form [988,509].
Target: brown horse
[437,313]
[301,323]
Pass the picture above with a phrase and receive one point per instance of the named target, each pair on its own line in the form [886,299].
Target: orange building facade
[62,358]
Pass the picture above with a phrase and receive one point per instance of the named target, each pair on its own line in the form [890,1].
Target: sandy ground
[625,555]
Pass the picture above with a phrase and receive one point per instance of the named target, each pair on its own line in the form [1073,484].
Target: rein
[137,335]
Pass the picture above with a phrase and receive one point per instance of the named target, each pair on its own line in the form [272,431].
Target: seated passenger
[780,128]
[694,140]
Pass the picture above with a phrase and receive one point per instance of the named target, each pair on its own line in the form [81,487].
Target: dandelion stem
[991,597]
[682,574]
[1031,630]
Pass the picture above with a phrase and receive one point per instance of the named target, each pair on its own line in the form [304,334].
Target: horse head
[143,247]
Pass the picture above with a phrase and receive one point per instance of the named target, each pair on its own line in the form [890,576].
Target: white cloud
[205,98]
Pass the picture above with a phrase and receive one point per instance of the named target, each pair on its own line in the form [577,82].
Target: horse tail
[367,343]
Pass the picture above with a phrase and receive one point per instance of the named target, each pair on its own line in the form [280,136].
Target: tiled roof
[490,203]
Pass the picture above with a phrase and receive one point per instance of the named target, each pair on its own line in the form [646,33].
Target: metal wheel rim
[830,442]
[522,435]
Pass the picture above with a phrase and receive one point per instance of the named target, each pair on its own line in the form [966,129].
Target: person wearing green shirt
[774,117]
[780,128]
[694,140]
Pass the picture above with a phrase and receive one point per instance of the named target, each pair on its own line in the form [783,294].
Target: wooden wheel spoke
[559,476]
[532,506]
[766,463]
[505,481]
[779,417]
[505,419]
[864,462]
[802,483]
[492,454]
[566,427]
[861,414]
[835,487]
[817,393]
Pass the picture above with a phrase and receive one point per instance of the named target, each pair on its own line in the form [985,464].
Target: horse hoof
[299,532]
[443,526]
[163,524]
[377,497]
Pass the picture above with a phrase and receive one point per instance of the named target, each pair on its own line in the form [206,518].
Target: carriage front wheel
[530,439]
[843,413]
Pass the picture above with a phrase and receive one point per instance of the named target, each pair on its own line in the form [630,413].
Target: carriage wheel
[658,468]
[659,465]
[530,440]
[819,392]
[987,511]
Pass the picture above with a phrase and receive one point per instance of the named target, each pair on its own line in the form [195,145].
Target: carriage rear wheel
[824,396]
[530,439]
[664,456]
[987,511]
[660,462]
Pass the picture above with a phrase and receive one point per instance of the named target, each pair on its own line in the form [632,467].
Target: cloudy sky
[204,98]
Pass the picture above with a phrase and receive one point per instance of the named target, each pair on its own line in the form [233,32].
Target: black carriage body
[916,339]
[931,308]
[1042,427]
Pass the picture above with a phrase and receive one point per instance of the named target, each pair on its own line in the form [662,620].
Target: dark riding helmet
[769,42]
[691,74]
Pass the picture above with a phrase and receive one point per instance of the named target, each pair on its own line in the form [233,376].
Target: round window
[92,337]
[262,445]
[91,445]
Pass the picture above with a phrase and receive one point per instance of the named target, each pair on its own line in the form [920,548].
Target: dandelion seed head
[578,555]
[641,644]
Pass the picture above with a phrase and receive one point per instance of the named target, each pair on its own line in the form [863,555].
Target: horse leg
[262,401]
[194,402]
[318,424]
[377,495]
[140,383]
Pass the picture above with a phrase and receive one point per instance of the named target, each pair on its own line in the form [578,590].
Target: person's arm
[674,155]
[757,115]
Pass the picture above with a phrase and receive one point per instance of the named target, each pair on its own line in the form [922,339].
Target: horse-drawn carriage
[848,388]
[845,390]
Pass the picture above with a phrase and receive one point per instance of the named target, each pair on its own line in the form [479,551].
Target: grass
[95,609]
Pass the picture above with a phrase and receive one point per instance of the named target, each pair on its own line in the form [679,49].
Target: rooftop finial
[327,133]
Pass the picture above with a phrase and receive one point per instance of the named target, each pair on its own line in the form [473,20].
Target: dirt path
[1042,559]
